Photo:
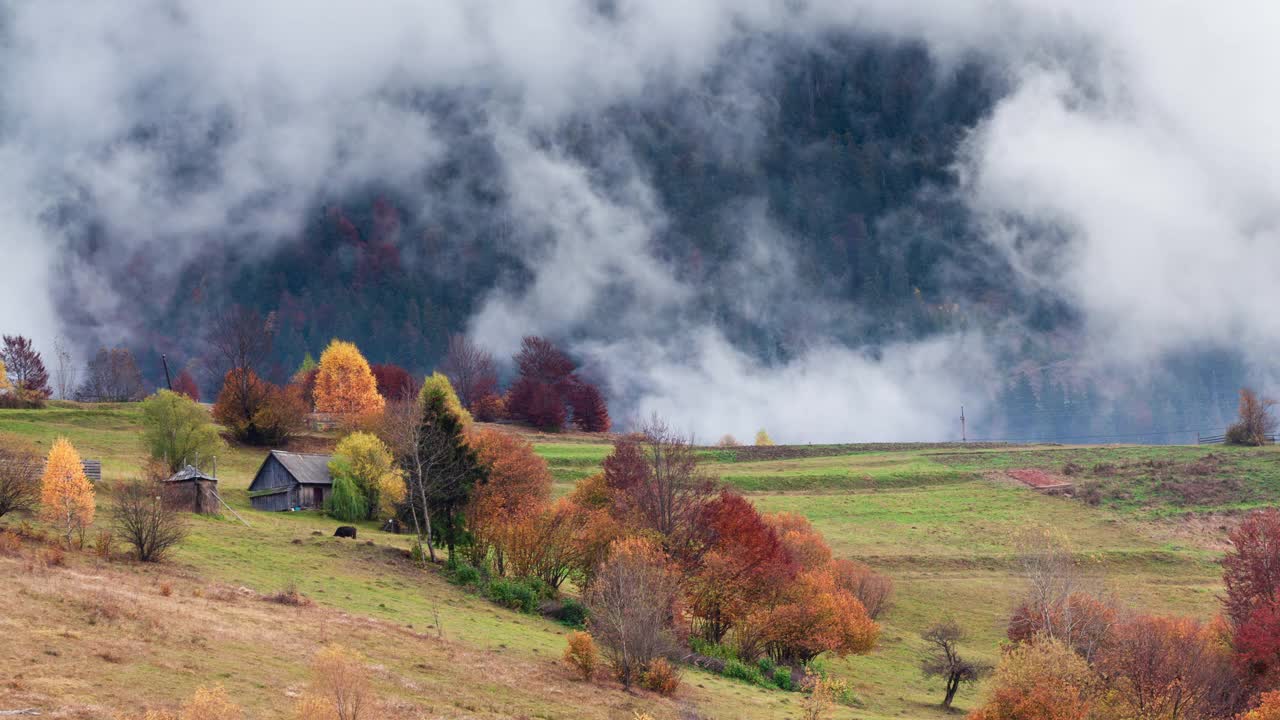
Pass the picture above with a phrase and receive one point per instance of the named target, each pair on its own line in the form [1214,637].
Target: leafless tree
[241,341]
[631,599]
[19,480]
[1061,602]
[470,370]
[112,376]
[65,368]
[659,484]
[944,659]
[146,520]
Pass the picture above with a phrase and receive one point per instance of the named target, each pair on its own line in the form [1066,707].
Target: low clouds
[1130,170]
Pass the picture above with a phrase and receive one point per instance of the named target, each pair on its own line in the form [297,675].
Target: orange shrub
[580,653]
[10,543]
[210,704]
[1268,708]
[661,677]
[1041,680]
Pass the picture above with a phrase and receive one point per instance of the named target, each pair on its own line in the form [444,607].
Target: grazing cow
[345,531]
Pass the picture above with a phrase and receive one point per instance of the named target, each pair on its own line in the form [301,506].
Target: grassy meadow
[1147,522]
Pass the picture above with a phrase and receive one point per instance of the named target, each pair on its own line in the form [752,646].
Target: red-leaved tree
[394,382]
[26,368]
[1251,574]
[185,384]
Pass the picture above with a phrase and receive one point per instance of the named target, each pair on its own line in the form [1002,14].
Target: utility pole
[165,361]
[964,436]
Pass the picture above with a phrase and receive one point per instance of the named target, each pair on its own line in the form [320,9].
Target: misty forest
[638,359]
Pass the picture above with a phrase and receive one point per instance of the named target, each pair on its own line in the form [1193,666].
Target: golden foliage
[210,704]
[763,439]
[1268,708]
[580,653]
[345,384]
[340,680]
[439,383]
[1040,680]
[66,497]
[368,461]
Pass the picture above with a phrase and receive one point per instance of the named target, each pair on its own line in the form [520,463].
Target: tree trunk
[953,684]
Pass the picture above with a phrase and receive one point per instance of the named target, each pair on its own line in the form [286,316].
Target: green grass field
[939,520]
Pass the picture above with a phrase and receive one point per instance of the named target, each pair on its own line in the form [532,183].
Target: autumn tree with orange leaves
[345,384]
[1044,680]
[518,488]
[66,497]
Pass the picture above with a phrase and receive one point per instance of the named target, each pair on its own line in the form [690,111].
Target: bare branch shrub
[19,480]
[147,521]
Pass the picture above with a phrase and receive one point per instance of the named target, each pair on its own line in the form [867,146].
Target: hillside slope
[95,637]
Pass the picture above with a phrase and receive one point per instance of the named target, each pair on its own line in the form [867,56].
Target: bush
[580,654]
[19,480]
[514,594]
[572,613]
[339,678]
[211,704]
[147,521]
[103,543]
[767,666]
[739,670]
[53,557]
[782,679]
[661,677]
[10,543]
[464,574]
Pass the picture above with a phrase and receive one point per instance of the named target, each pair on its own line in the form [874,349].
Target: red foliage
[25,367]
[1251,568]
[186,385]
[306,384]
[746,564]
[539,359]
[489,408]
[547,389]
[537,403]
[257,412]
[394,382]
[590,412]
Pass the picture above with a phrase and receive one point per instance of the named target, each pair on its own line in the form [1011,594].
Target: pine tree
[66,497]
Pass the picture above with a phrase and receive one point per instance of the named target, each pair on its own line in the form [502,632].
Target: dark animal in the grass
[392,525]
[346,531]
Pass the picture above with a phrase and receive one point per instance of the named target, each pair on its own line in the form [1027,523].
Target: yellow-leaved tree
[763,439]
[367,461]
[439,383]
[345,385]
[66,497]
[4,377]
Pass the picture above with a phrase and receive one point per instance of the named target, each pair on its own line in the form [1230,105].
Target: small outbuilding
[291,481]
[191,490]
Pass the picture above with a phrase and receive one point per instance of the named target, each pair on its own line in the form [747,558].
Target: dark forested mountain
[838,155]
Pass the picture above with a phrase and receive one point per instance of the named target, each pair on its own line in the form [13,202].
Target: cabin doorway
[317,497]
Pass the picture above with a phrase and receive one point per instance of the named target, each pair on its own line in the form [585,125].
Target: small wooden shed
[291,481]
[193,491]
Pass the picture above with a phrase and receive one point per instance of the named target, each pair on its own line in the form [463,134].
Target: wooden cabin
[190,490]
[291,481]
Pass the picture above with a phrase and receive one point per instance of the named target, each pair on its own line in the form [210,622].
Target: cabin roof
[306,468]
[189,473]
